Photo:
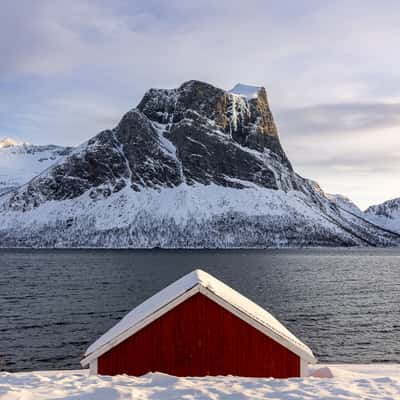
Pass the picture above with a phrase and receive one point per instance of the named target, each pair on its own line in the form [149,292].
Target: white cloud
[70,69]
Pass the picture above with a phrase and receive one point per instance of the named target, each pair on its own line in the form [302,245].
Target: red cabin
[199,326]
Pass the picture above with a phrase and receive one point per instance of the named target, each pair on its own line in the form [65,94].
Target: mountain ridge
[20,161]
[195,166]
[386,214]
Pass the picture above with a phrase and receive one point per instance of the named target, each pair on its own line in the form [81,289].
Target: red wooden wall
[199,338]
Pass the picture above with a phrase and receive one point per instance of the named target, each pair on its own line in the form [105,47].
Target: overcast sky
[331,69]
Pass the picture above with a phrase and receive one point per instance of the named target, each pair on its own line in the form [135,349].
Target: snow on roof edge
[176,289]
[148,307]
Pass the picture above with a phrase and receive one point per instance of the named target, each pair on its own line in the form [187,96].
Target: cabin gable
[199,337]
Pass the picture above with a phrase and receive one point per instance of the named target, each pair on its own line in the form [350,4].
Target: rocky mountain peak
[194,134]
[195,166]
[246,119]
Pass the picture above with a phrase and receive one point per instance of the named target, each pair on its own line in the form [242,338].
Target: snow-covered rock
[374,382]
[195,166]
[345,203]
[386,214]
[20,162]
[247,91]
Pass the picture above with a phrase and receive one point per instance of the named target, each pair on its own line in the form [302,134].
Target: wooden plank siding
[199,338]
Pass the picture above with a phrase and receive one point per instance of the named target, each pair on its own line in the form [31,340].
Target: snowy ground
[348,382]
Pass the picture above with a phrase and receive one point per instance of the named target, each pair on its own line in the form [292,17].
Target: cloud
[340,118]
[70,69]
[70,119]
[349,148]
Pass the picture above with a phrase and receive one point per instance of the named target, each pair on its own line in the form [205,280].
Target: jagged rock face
[151,160]
[249,122]
[132,153]
[167,106]
[207,156]
[194,134]
[96,162]
[214,131]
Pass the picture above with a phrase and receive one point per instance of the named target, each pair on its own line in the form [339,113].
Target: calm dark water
[345,304]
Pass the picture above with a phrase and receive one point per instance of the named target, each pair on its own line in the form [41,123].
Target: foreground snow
[348,382]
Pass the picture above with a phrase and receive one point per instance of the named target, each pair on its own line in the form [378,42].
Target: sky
[70,69]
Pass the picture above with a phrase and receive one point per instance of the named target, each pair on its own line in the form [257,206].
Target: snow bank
[348,382]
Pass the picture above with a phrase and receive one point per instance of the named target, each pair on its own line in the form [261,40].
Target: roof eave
[88,358]
[303,354]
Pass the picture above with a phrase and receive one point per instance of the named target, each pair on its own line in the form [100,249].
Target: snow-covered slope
[205,216]
[20,162]
[386,214]
[373,382]
[195,166]
[345,203]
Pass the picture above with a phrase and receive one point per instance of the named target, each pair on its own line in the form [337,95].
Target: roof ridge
[290,337]
[169,297]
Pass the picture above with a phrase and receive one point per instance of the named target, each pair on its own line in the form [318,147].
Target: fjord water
[344,303]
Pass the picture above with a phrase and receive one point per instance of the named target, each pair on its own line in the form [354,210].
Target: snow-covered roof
[185,287]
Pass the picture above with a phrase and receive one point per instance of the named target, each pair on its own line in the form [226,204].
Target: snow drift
[348,382]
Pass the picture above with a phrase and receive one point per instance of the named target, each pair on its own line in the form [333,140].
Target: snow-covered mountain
[386,214]
[345,203]
[195,166]
[20,161]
